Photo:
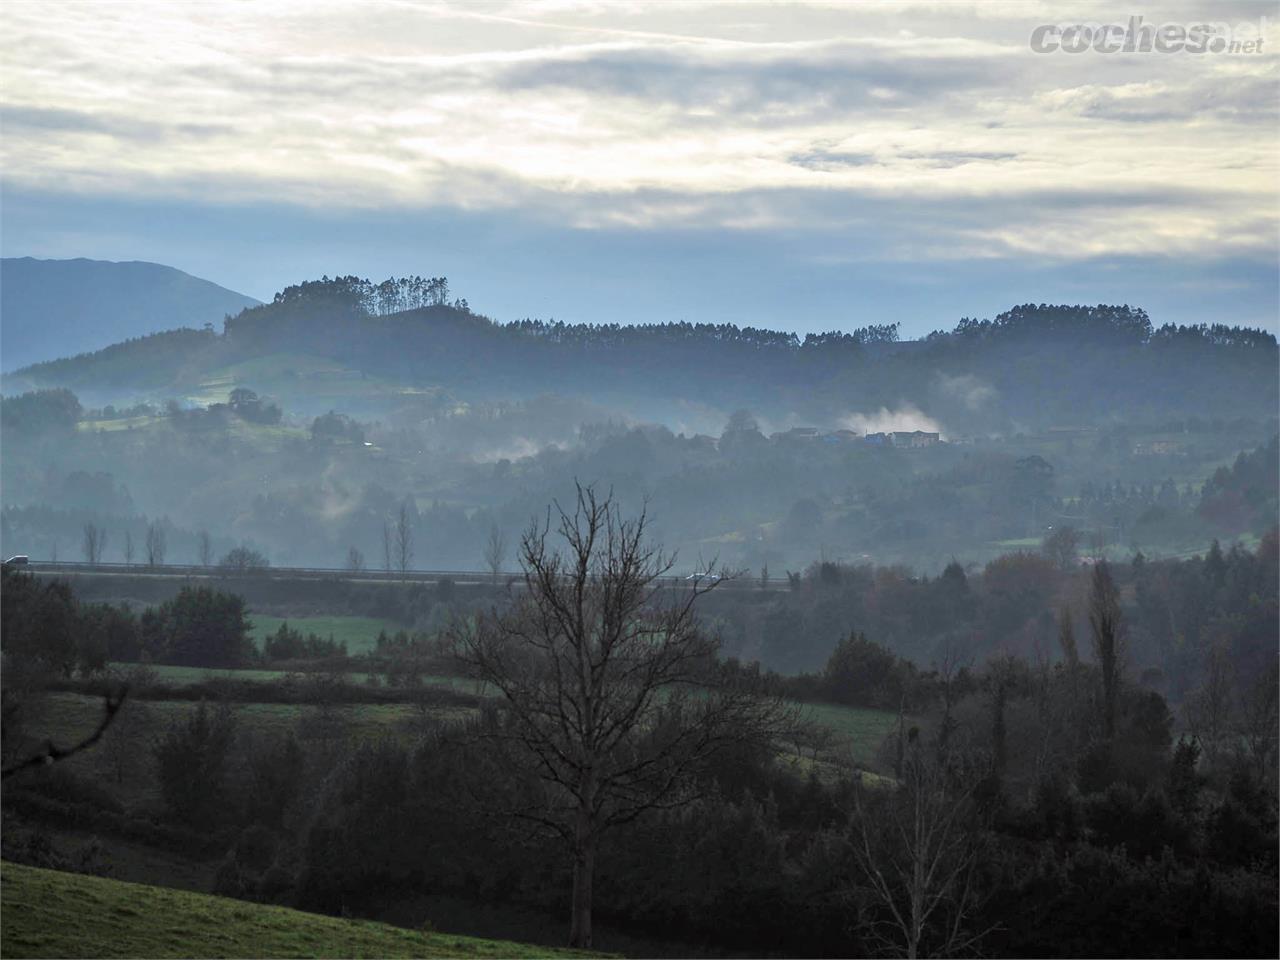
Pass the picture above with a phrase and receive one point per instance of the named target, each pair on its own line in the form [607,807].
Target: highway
[338,574]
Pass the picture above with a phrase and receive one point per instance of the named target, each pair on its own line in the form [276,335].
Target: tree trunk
[584,868]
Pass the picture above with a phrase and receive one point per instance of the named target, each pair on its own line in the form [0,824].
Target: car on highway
[20,560]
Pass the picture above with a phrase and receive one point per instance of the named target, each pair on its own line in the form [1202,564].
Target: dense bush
[289,644]
[192,765]
[199,627]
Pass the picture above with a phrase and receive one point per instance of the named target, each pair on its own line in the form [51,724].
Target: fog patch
[517,448]
[906,417]
[973,392]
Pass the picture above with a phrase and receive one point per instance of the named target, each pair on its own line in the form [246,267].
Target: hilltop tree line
[393,295]
[1051,363]
[1115,324]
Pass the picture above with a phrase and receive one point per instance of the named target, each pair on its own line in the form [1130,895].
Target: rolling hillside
[47,913]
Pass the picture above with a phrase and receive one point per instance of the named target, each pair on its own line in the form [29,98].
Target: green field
[860,731]
[47,913]
[67,714]
[178,675]
[288,376]
[68,717]
[359,633]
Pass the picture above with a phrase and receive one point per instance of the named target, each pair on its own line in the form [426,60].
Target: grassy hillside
[46,913]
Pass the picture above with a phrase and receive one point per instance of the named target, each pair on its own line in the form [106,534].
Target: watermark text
[1138,36]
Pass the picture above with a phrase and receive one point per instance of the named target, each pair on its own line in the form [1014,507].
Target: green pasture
[48,913]
[359,633]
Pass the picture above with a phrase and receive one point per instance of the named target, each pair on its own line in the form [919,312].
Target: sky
[800,166]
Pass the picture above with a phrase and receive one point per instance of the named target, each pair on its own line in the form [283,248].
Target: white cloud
[810,116]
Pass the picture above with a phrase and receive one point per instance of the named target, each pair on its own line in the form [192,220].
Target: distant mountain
[58,308]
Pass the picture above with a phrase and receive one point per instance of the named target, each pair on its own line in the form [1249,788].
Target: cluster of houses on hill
[910,439]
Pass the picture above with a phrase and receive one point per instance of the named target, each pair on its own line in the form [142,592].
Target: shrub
[192,765]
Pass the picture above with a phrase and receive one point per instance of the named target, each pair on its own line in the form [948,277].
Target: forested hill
[1035,366]
[50,308]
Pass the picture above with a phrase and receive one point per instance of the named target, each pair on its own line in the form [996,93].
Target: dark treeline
[199,627]
[1182,614]
[393,295]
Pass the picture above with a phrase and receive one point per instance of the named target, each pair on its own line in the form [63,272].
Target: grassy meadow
[359,633]
[47,913]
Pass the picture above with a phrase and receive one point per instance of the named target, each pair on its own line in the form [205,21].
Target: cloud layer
[910,132]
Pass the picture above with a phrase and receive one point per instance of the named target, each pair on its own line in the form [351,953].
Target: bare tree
[404,538]
[243,560]
[1003,677]
[953,658]
[387,540]
[95,541]
[355,560]
[495,551]
[155,543]
[1259,719]
[1209,710]
[1071,655]
[1107,625]
[917,847]
[1067,639]
[605,682]
[128,548]
[204,548]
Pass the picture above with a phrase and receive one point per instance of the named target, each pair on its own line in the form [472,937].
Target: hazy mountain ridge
[53,308]
[1033,367]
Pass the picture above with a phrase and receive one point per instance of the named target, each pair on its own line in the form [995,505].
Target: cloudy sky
[801,166]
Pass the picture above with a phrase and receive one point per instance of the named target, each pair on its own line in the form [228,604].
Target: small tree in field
[387,539]
[155,544]
[404,538]
[243,560]
[95,541]
[495,551]
[607,697]
[204,549]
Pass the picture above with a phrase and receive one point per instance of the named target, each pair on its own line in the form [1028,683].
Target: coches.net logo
[1138,36]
